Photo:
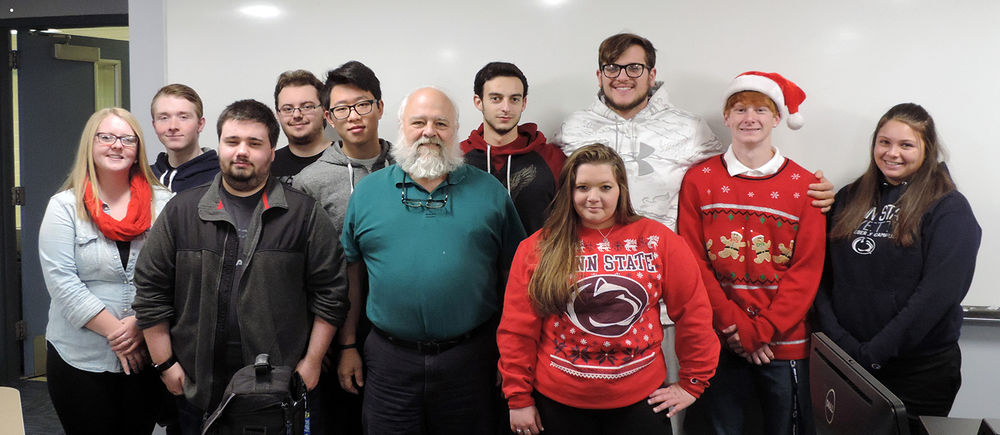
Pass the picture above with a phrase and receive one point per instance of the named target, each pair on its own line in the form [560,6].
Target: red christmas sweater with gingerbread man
[760,244]
[604,351]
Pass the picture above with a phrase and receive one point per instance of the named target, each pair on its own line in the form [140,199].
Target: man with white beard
[436,259]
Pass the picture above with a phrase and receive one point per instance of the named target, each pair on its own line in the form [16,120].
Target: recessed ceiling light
[261,11]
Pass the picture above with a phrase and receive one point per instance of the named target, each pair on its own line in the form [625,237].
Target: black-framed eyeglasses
[344,111]
[429,203]
[108,139]
[613,70]
[306,108]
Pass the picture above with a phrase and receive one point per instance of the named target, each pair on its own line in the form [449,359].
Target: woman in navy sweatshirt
[901,255]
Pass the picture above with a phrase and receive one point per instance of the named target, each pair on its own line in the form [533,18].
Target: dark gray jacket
[295,270]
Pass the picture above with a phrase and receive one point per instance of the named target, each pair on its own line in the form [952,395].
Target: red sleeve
[798,284]
[554,157]
[520,329]
[726,312]
[687,303]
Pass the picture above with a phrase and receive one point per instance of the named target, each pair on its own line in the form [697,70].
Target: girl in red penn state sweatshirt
[588,357]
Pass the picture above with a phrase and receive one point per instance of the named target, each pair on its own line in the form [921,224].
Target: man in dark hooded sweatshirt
[178,121]
[518,155]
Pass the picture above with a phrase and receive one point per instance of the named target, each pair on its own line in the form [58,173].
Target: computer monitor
[846,399]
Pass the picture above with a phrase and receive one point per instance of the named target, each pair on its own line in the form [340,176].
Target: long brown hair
[930,182]
[553,283]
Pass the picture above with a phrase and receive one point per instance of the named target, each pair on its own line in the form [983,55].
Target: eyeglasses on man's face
[344,110]
[108,139]
[428,203]
[613,70]
[304,109]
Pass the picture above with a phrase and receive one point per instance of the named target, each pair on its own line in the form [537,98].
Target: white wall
[854,59]
[980,383]
[147,63]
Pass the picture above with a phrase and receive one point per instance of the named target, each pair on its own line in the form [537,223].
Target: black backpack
[260,399]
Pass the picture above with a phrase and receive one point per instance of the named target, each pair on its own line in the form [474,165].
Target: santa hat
[785,94]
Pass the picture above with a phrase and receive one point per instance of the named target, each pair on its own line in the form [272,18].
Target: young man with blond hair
[178,120]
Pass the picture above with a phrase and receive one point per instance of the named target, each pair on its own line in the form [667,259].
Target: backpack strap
[214,416]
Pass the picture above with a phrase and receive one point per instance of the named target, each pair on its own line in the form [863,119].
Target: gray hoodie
[331,179]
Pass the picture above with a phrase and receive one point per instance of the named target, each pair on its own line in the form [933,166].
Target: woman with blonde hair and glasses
[90,236]
[580,334]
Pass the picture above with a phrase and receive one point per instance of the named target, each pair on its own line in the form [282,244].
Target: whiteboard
[854,59]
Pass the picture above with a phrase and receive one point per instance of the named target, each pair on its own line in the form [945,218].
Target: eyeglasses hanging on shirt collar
[429,203]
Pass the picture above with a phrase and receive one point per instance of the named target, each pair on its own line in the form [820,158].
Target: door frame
[11,349]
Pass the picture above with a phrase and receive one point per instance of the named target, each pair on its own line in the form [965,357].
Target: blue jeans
[449,393]
[781,388]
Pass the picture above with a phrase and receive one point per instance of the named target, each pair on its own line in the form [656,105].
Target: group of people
[399,278]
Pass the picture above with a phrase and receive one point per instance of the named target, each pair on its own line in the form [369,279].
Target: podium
[11,419]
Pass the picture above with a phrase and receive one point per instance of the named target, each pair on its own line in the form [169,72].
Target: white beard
[424,160]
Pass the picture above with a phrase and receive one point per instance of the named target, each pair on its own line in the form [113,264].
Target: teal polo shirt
[432,273]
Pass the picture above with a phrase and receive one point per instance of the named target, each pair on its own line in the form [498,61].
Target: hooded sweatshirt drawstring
[489,166]
[350,176]
[169,182]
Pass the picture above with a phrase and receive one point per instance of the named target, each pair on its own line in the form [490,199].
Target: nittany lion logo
[863,245]
[607,305]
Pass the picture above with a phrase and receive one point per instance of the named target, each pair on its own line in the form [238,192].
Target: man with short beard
[237,267]
[632,115]
[517,155]
[437,237]
[297,100]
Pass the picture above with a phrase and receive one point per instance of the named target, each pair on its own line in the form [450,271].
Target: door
[61,82]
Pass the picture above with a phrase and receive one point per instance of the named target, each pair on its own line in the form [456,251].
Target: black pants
[635,419]
[342,414]
[103,403]
[927,385]
[408,393]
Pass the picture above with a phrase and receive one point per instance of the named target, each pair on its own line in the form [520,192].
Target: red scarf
[138,218]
